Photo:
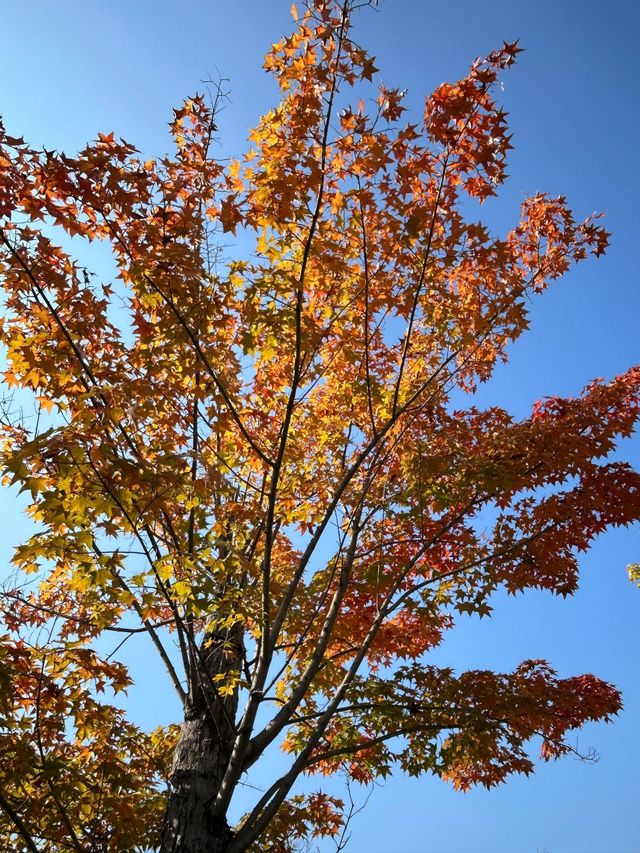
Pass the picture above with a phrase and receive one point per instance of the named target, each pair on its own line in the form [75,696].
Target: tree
[252,458]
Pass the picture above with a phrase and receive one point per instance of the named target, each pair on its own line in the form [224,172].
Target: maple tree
[259,464]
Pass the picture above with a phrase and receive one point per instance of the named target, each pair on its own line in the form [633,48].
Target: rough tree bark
[203,751]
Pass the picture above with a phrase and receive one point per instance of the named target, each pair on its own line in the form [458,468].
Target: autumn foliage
[251,455]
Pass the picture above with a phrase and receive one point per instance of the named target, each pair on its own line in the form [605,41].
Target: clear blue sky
[69,69]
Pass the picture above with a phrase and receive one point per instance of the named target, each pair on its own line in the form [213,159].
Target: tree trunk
[202,752]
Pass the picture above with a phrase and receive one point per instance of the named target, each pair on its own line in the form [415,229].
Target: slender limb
[365,257]
[150,628]
[69,617]
[85,367]
[275,726]
[43,761]
[266,644]
[418,290]
[19,824]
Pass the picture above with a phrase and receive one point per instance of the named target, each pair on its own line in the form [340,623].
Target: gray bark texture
[202,753]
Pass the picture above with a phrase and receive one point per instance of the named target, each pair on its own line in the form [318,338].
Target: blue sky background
[69,69]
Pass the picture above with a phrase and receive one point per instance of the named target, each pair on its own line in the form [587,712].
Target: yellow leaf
[181,589]
[164,570]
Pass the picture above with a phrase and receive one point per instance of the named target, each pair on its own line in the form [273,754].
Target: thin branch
[18,823]
[267,643]
[70,617]
[365,255]
[43,761]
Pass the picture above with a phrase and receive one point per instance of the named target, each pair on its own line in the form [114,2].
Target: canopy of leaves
[264,447]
